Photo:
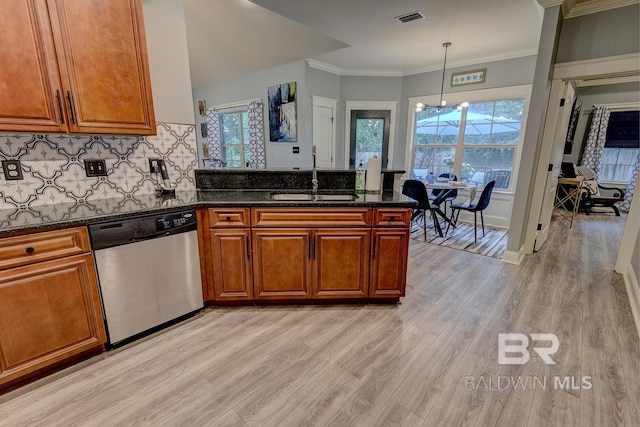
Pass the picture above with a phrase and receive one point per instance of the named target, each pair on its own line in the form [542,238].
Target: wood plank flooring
[430,361]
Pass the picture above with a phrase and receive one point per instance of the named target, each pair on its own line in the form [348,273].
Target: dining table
[448,187]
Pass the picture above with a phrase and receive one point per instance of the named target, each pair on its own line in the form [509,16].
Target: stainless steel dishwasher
[149,272]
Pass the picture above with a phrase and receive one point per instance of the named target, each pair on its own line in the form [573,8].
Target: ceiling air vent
[409,17]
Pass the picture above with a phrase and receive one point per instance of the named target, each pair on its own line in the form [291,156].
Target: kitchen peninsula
[280,244]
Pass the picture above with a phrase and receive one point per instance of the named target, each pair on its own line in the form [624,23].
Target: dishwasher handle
[155,236]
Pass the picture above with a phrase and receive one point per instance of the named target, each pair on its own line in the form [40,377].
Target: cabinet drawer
[309,217]
[30,248]
[391,217]
[228,217]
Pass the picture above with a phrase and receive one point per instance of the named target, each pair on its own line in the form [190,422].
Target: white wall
[168,60]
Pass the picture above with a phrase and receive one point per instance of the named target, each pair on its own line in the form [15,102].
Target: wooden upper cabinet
[29,82]
[76,66]
[103,57]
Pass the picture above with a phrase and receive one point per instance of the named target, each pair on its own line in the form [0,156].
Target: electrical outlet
[95,167]
[12,170]
[154,167]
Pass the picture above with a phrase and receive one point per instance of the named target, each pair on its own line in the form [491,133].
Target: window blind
[623,130]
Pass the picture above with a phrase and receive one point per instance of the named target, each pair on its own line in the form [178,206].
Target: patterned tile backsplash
[53,165]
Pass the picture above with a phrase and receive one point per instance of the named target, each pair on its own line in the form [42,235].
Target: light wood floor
[382,365]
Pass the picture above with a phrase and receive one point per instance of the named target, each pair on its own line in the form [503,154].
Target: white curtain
[592,155]
[256,134]
[213,137]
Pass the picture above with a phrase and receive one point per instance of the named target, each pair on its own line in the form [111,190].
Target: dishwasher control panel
[176,220]
[138,228]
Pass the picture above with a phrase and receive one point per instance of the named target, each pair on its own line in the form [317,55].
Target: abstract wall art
[283,126]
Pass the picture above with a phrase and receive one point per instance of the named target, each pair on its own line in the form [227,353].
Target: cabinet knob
[30,250]
[393,218]
[228,218]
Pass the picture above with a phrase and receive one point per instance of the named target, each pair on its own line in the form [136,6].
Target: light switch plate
[95,167]
[12,170]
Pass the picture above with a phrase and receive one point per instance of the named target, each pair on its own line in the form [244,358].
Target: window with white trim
[478,143]
[234,135]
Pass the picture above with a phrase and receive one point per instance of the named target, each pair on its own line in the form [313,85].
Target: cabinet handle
[228,219]
[248,250]
[373,255]
[314,247]
[30,250]
[309,248]
[60,106]
[73,111]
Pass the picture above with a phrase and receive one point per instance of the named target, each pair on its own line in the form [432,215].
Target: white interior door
[324,131]
[553,147]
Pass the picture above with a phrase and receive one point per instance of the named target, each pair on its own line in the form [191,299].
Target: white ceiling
[229,38]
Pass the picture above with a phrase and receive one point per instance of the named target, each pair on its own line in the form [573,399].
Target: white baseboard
[511,257]
[633,291]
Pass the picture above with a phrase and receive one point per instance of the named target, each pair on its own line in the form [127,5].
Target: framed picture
[283,126]
[573,124]
[202,108]
[203,130]
[468,77]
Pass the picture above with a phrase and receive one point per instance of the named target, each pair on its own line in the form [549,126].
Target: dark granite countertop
[30,218]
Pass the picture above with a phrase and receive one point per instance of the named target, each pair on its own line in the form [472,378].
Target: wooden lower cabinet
[389,262]
[282,263]
[231,257]
[341,263]
[330,254]
[49,312]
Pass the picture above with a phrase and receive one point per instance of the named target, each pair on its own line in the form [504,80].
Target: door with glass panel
[369,136]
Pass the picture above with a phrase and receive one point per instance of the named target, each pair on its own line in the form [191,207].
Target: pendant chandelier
[421,107]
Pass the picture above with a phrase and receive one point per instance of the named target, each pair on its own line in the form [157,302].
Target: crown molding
[596,6]
[323,66]
[477,61]
[550,3]
[312,63]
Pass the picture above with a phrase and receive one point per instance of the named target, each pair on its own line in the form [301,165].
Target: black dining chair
[439,196]
[416,190]
[482,204]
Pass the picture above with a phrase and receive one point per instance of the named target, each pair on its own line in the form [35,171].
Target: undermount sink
[293,197]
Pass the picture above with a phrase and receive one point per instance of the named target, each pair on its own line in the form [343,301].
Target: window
[478,143]
[621,147]
[234,132]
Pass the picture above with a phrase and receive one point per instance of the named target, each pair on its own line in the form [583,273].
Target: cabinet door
[282,263]
[103,61]
[49,311]
[231,259]
[389,263]
[29,81]
[341,263]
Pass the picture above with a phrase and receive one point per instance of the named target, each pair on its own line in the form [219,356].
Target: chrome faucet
[314,180]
